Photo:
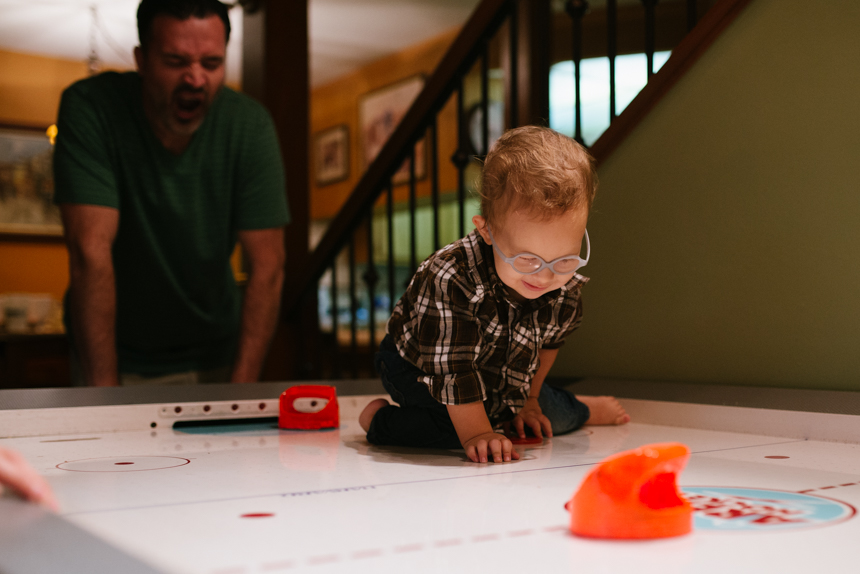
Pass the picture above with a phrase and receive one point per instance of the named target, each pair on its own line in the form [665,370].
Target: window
[630,77]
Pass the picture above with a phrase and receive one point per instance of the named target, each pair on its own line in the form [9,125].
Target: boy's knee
[569,424]
[412,427]
[378,431]
[565,412]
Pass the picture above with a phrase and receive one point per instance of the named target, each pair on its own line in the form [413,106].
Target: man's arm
[265,251]
[477,436]
[531,413]
[90,231]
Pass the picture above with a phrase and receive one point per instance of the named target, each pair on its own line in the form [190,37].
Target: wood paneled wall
[338,103]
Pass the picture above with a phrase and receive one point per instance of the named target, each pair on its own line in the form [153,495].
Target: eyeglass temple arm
[587,247]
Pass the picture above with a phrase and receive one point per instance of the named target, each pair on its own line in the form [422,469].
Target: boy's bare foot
[604,411]
[367,414]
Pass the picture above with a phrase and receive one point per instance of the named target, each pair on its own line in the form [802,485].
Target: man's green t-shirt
[178,306]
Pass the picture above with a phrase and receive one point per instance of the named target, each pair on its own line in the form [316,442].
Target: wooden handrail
[485,20]
[683,57]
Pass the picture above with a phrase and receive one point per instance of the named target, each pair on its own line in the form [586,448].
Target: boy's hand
[532,416]
[476,434]
[479,447]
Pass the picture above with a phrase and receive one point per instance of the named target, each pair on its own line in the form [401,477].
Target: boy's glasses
[529,263]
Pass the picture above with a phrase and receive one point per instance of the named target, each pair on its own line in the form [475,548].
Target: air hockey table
[201,480]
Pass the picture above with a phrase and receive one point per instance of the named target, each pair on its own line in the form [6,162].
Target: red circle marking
[776,456]
[852,511]
[258,515]
[179,461]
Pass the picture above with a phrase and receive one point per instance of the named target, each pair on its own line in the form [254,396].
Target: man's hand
[479,448]
[533,417]
[20,476]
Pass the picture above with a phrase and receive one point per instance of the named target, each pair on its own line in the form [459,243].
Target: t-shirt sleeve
[262,197]
[83,170]
[447,335]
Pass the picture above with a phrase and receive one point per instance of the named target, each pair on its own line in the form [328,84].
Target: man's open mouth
[188,105]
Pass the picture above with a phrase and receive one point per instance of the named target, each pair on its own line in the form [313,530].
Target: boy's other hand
[532,416]
[479,448]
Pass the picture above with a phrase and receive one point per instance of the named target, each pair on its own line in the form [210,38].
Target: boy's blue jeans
[422,421]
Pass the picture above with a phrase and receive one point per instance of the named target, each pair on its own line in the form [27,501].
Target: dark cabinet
[29,361]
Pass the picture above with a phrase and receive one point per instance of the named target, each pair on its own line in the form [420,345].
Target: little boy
[470,342]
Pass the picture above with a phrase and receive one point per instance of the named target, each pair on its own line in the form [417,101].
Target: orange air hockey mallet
[309,407]
[634,495]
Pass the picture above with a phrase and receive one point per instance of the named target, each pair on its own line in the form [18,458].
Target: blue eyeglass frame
[543,263]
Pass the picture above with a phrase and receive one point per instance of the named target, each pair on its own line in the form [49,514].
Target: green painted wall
[726,231]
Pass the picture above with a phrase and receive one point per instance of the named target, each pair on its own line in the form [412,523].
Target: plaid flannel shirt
[458,323]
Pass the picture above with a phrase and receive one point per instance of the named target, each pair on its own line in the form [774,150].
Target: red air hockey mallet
[512,436]
[309,407]
[634,494]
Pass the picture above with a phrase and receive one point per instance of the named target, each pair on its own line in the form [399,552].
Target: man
[157,174]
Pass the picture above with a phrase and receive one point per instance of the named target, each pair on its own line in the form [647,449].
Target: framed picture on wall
[331,155]
[378,115]
[27,184]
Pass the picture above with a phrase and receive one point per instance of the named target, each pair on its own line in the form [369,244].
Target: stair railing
[469,49]
[419,121]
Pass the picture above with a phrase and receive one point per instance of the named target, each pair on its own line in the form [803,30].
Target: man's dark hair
[181,10]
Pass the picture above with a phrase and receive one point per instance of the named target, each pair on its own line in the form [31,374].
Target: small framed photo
[331,155]
[27,207]
[379,113]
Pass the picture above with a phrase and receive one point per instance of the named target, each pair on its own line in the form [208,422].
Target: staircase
[373,246]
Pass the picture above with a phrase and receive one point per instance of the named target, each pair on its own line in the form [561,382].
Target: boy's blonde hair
[538,170]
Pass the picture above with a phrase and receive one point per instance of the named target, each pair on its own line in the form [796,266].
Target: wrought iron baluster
[334,323]
[371,277]
[460,159]
[389,212]
[434,181]
[353,311]
[611,50]
[576,9]
[650,33]
[485,99]
[513,28]
[692,15]
[413,233]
